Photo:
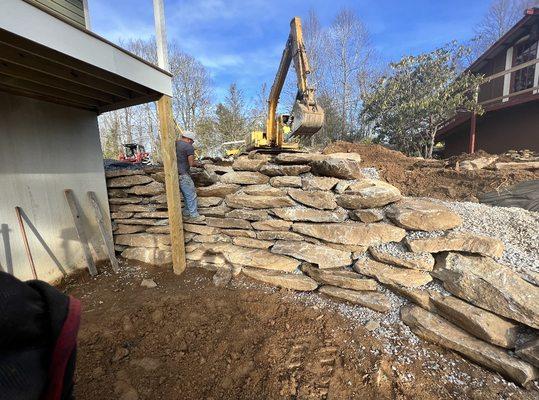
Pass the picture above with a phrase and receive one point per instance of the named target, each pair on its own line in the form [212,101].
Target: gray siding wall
[73,10]
[45,149]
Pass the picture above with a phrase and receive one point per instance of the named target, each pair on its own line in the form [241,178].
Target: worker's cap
[189,135]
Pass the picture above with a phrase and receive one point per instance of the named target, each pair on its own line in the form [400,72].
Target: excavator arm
[307,116]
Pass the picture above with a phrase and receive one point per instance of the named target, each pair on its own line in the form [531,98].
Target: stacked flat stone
[138,207]
[312,222]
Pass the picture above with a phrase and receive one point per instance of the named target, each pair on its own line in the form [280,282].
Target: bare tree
[500,17]
[349,53]
[191,101]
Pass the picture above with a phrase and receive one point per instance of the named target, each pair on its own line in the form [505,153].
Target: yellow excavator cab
[307,116]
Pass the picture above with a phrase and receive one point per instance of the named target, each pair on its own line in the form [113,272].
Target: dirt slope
[436,178]
[187,339]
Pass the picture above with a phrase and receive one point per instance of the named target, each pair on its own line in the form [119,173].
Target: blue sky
[241,41]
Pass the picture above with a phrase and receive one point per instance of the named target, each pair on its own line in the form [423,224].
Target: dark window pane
[524,52]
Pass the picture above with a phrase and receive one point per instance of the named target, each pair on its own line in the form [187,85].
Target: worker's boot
[195,219]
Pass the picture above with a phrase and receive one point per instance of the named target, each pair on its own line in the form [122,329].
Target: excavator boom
[307,116]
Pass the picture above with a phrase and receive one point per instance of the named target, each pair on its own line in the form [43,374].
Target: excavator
[306,118]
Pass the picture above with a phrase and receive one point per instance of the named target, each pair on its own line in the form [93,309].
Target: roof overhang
[45,57]
[531,17]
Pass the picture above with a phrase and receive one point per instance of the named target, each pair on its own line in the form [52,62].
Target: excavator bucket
[307,120]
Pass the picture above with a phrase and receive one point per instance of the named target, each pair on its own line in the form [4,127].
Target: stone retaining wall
[313,222]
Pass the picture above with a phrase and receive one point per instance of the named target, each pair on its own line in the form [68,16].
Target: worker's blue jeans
[189,193]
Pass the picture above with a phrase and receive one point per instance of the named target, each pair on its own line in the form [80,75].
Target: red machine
[135,153]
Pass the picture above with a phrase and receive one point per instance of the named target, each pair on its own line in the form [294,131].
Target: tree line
[400,104]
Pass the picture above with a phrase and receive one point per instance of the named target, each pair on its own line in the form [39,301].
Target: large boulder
[239,233]
[384,273]
[218,169]
[200,176]
[315,198]
[218,211]
[285,181]
[247,164]
[353,233]
[249,215]
[278,235]
[148,255]
[136,207]
[253,243]
[367,215]
[280,170]
[142,240]
[489,285]
[258,202]
[209,201]
[298,282]
[323,256]
[200,229]
[151,189]
[309,214]
[263,190]
[457,241]
[421,297]
[373,300]
[530,352]
[342,278]
[433,328]
[395,254]
[114,173]
[244,178]
[122,229]
[152,214]
[423,215]
[231,223]
[318,182]
[368,193]
[217,190]
[337,167]
[298,158]
[480,323]
[128,181]
[272,225]
[212,239]
[256,258]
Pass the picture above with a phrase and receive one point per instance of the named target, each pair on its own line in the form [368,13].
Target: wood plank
[107,239]
[76,214]
[168,153]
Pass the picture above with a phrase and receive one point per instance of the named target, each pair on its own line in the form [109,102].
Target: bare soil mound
[188,339]
[433,178]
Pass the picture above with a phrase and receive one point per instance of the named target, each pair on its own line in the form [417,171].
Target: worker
[185,154]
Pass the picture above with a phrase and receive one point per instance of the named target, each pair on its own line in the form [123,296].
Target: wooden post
[473,127]
[168,148]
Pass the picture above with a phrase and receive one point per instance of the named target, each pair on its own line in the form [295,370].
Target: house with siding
[509,96]
[56,77]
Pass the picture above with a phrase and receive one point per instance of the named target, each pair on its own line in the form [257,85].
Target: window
[523,52]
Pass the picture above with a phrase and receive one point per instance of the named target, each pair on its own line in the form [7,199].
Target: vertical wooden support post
[473,127]
[168,148]
[168,153]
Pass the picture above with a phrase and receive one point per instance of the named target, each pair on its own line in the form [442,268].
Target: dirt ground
[436,178]
[188,339]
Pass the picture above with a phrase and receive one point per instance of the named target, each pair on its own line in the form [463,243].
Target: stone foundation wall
[315,222]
